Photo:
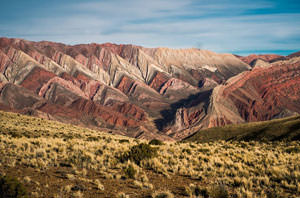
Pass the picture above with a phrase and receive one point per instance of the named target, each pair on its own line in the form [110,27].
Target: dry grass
[286,129]
[240,169]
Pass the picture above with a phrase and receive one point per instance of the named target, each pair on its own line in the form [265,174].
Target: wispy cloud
[235,26]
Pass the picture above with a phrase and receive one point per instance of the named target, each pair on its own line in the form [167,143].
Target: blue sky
[231,26]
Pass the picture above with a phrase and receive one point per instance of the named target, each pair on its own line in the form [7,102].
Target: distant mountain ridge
[145,92]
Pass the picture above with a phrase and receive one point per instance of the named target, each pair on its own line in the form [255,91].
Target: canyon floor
[52,159]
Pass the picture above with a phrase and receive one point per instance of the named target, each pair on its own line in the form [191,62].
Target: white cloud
[170,23]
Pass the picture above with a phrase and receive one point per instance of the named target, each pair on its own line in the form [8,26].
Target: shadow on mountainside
[168,115]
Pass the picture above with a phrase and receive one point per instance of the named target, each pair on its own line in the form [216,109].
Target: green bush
[156,142]
[130,172]
[93,139]
[138,153]
[99,152]
[15,134]
[123,141]
[188,151]
[10,187]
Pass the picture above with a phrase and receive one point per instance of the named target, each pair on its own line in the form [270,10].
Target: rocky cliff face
[142,92]
[261,94]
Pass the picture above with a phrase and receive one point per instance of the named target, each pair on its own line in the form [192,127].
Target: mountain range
[147,93]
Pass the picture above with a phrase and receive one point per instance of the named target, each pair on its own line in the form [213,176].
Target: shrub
[78,194]
[138,184]
[195,190]
[162,194]
[15,134]
[138,153]
[188,151]
[123,141]
[99,152]
[204,150]
[156,142]
[11,187]
[122,195]
[130,172]
[272,194]
[192,146]
[98,184]
[292,149]
[219,191]
[93,139]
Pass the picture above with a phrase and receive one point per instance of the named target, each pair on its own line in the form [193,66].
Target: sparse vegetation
[10,187]
[60,160]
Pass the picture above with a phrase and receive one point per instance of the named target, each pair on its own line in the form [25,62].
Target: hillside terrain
[52,159]
[145,93]
[284,129]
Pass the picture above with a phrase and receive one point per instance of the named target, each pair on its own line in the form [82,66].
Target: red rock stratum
[145,92]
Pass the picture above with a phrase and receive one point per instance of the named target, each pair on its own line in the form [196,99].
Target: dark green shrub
[192,146]
[138,153]
[99,152]
[188,151]
[201,191]
[203,150]
[123,141]
[15,134]
[130,172]
[292,149]
[10,187]
[93,139]
[156,142]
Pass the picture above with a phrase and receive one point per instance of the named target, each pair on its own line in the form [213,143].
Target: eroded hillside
[143,92]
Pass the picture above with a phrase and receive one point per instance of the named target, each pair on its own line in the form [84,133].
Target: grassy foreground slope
[59,160]
[277,129]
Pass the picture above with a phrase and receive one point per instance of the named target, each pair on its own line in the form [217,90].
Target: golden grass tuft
[243,168]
